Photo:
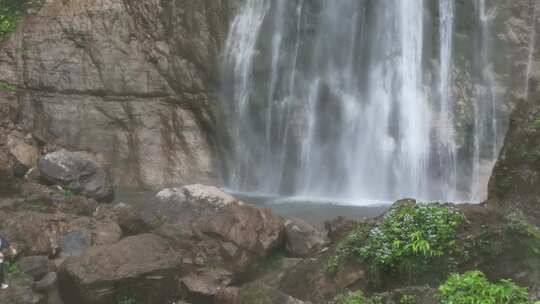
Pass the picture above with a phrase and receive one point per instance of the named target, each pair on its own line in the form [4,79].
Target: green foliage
[7,87]
[407,299]
[525,238]
[354,298]
[376,300]
[68,193]
[12,12]
[519,225]
[411,237]
[537,123]
[127,300]
[484,244]
[13,269]
[37,205]
[473,287]
[350,245]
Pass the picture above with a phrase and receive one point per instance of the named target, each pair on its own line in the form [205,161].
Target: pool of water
[312,210]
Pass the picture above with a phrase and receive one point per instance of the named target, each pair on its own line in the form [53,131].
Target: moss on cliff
[12,12]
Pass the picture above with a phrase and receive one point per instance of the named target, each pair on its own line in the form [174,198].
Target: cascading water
[340,99]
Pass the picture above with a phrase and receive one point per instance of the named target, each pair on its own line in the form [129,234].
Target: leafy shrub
[354,298]
[376,300]
[407,299]
[409,238]
[412,237]
[473,287]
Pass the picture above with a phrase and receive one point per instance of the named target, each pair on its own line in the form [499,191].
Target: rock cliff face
[128,80]
[514,182]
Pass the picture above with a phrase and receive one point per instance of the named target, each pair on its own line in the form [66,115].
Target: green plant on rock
[537,123]
[13,269]
[407,299]
[349,246]
[376,300]
[412,237]
[354,298]
[525,236]
[127,300]
[12,12]
[7,87]
[473,288]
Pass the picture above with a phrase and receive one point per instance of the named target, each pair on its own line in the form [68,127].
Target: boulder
[309,280]
[74,243]
[214,228]
[302,238]
[184,205]
[256,292]
[29,231]
[24,153]
[78,172]
[129,219]
[141,266]
[204,284]
[49,286]
[246,233]
[34,266]
[20,292]
[47,283]
[106,233]
[420,295]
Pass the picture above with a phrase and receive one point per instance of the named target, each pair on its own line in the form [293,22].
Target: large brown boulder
[185,205]
[143,267]
[246,233]
[214,231]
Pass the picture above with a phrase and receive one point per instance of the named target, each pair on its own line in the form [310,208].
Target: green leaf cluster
[12,12]
[13,269]
[127,300]
[354,298]
[413,236]
[473,288]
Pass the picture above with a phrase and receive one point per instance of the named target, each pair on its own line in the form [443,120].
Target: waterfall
[336,99]
[487,140]
[532,47]
[447,107]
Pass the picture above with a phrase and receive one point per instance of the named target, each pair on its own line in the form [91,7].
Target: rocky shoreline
[198,244]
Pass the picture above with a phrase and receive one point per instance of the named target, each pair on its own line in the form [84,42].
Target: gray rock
[207,282]
[47,283]
[185,205]
[35,266]
[259,292]
[74,243]
[129,219]
[106,233]
[78,172]
[302,238]
[143,266]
